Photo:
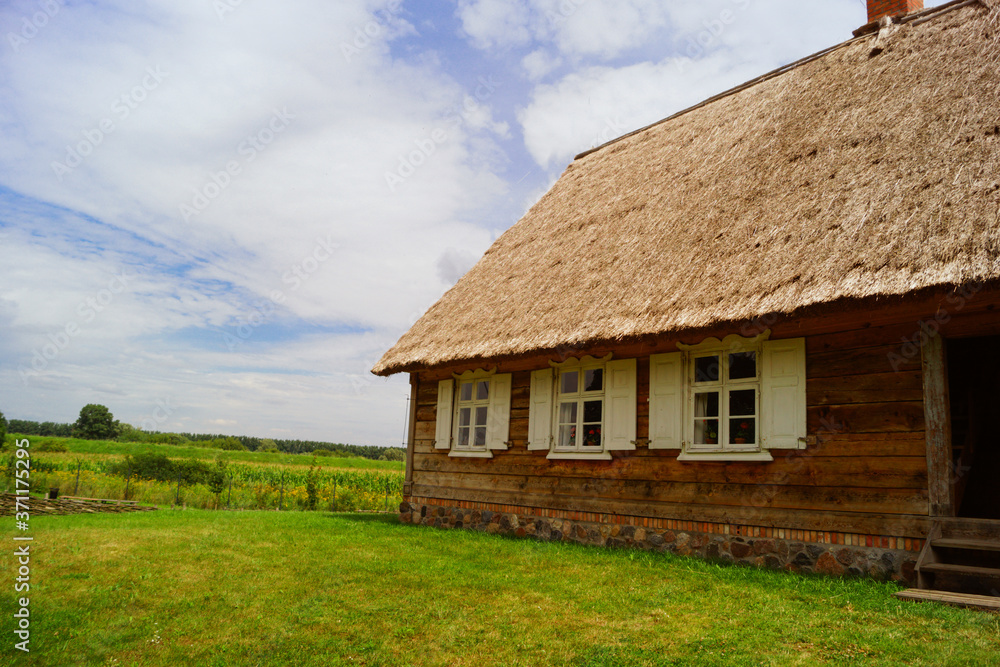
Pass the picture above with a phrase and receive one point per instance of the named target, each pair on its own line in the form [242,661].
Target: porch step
[986,602]
[962,543]
[969,570]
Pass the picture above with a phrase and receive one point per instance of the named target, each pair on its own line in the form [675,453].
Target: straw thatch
[870,171]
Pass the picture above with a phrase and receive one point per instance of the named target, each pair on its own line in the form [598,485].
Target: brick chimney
[880,8]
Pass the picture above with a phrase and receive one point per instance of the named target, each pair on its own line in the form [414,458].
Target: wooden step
[965,543]
[970,570]
[947,597]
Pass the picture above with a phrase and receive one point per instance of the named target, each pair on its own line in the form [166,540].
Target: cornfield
[246,487]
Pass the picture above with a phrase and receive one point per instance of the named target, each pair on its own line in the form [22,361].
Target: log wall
[863,477]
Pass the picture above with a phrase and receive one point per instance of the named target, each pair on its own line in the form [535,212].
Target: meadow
[194,587]
[246,480]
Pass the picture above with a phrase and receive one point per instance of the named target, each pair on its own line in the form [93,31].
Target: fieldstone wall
[778,554]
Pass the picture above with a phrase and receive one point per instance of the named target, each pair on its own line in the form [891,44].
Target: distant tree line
[130,434]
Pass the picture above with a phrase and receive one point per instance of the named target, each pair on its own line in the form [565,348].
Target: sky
[216,215]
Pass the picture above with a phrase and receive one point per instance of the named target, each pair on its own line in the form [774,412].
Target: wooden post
[230,496]
[334,508]
[76,489]
[127,480]
[177,499]
[937,419]
[281,493]
[411,435]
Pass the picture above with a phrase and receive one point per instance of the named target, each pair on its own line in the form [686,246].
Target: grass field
[251,480]
[308,588]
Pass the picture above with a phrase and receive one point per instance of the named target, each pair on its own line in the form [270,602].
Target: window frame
[723,387]
[579,398]
[473,404]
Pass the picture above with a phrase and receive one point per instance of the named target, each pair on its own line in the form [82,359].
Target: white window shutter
[783,394]
[498,424]
[540,410]
[666,400]
[620,400]
[442,427]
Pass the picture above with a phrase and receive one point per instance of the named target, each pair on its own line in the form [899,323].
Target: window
[583,408]
[473,409]
[725,398]
[732,399]
[473,414]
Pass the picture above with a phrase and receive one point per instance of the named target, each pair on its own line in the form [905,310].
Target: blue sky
[233,208]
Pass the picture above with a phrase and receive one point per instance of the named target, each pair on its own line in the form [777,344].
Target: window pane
[706,369]
[480,436]
[466,392]
[463,437]
[593,380]
[743,402]
[741,431]
[706,404]
[570,382]
[592,435]
[567,413]
[706,432]
[482,390]
[567,436]
[481,416]
[464,416]
[742,365]
[592,412]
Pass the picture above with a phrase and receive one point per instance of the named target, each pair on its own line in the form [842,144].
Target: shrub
[50,446]
[268,445]
[322,452]
[95,423]
[168,439]
[230,444]
[393,454]
[3,430]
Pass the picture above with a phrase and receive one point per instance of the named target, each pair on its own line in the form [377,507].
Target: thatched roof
[870,170]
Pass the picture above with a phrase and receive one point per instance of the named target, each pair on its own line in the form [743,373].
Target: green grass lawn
[306,588]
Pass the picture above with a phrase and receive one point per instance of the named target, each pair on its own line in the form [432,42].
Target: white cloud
[539,63]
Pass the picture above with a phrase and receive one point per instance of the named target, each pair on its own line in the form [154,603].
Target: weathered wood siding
[866,469]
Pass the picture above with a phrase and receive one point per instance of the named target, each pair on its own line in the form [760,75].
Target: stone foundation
[761,547]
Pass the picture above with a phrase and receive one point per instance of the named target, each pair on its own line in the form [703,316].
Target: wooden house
[762,330]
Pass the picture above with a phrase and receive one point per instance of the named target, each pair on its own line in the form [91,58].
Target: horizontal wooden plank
[889,501]
[967,600]
[914,526]
[880,472]
[872,388]
[866,418]
[863,361]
